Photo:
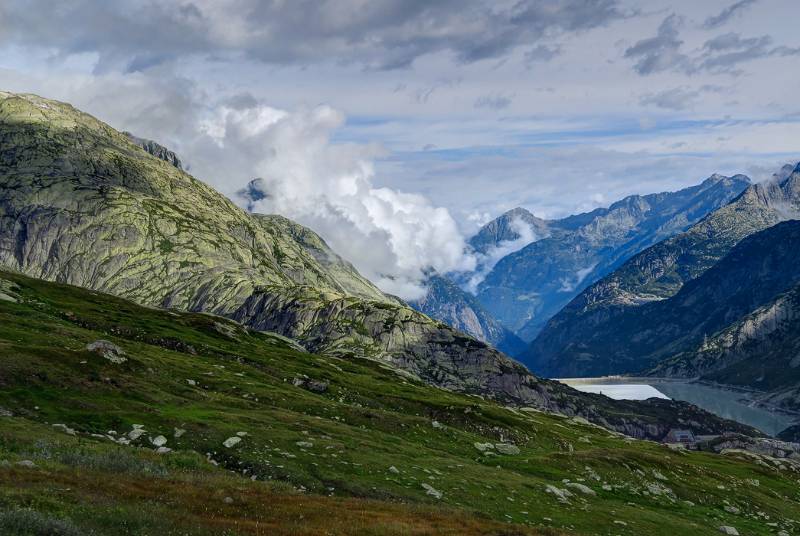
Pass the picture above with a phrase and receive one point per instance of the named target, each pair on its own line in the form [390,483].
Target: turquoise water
[728,404]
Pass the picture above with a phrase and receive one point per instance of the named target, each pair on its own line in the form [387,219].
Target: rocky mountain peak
[156,149]
[506,228]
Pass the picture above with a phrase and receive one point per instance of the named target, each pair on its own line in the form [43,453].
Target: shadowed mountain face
[80,203]
[529,286]
[676,294]
[446,301]
[533,267]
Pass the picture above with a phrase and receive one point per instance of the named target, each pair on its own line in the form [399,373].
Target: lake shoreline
[733,402]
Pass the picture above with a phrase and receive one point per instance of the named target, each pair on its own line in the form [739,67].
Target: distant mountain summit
[507,228]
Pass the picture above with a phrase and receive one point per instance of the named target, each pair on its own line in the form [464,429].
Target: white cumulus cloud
[392,237]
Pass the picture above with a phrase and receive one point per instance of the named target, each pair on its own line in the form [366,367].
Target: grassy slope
[368,420]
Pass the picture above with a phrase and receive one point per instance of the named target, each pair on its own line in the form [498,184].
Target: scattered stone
[660,476]
[433,492]
[5,413]
[159,441]
[241,434]
[108,350]
[163,450]
[304,444]
[393,469]
[232,441]
[179,432]
[437,424]
[66,429]
[483,447]
[586,490]
[506,448]
[732,510]
[26,463]
[618,522]
[730,531]
[228,500]
[315,386]
[193,383]
[561,494]
[137,432]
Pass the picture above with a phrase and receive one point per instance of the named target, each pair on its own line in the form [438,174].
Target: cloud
[726,14]
[392,237]
[671,99]
[134,35]
[662,52]
[541,53]
[677,99]
[570,284]
[721,54]
[494,102]
[487,261]
[725,52]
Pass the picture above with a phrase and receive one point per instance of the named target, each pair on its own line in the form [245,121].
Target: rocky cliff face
[157,150]
[759,351]
[81,203]
[447,302]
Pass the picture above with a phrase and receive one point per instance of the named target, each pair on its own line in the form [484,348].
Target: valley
[738,405]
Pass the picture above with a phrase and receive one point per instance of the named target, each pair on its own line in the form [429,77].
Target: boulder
[506,448]
[433,492]
[108,350]
[586,490]
[232,441]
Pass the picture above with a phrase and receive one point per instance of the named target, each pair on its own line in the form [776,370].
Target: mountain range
[717,302]
[543,264]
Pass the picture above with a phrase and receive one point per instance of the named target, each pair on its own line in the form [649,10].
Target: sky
[395,128]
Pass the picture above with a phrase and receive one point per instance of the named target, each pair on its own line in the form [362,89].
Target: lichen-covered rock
[108,350]
[232,441]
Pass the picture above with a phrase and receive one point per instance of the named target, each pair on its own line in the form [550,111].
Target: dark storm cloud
[134,35]
[721,54]
[662,52]
[677,99]
[726,14]
[724,53]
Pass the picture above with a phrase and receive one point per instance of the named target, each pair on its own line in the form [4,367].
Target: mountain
[529,268]
[83,204]
[80,203]
[759,351]
[139,420]
[527,287]
[577,340]
[507,228]
[447,302]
